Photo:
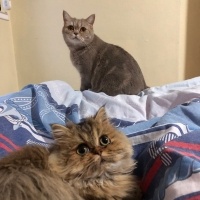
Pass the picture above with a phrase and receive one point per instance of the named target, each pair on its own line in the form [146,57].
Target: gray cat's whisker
[86,45]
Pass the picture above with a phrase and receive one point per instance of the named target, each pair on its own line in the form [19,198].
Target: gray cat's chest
[83,61]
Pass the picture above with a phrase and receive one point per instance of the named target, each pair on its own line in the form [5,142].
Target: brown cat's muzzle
[97,150]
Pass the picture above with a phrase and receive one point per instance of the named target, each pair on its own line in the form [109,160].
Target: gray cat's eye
[104,140]
[82,149]
[83,29]
[70,27]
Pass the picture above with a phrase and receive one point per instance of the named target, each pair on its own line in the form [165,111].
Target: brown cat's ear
[101,115]
[60,131]
[66,16]
[91,19]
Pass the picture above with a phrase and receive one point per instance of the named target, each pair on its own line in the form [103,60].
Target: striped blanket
[163,124]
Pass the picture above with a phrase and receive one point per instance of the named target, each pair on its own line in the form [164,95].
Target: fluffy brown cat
[103,67]
[90,160]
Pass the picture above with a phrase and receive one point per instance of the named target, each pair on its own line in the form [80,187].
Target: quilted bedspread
[163,124]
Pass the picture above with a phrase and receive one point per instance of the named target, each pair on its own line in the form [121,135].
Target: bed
[163,124]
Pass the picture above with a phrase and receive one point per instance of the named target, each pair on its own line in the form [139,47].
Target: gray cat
[103,67]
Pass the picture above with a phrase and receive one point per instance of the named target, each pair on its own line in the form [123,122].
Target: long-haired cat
[90,160]
[103,67]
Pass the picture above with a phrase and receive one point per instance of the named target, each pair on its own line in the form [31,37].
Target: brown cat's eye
[70,27]
[82,149]
[104,140]
[83,29]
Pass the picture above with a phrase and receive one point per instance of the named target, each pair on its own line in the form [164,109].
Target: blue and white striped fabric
[163,124]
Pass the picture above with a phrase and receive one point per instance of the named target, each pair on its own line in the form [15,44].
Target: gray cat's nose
[75,33]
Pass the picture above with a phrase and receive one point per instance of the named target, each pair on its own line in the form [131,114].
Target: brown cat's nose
[98,150]
[75,33]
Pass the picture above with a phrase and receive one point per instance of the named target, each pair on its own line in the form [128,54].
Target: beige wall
[192,58]
[154,32]
[8,78]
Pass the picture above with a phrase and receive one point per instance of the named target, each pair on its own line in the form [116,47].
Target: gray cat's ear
[66,16]
[101,115]
[91,19]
